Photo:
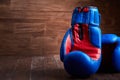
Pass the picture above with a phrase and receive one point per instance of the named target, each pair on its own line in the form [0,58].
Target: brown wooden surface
[41,68]
[36,27]
[30,30]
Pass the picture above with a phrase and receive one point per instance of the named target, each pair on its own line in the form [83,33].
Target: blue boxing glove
[66,44]
[109,38]
[81,46]
[111,52]
[116,56]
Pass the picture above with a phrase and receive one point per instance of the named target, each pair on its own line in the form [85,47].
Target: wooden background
[36,27]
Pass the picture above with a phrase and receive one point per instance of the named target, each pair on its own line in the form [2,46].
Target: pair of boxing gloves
[81,48]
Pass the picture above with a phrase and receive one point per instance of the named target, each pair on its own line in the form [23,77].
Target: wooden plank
[37,45]
[43,45]
[22,69]
[6,28]
[14,44]
[44,68]
[51,45]
[4,2]
[7,67]
[29,27]
[61,25]
[43,5]
[10,20]
[41,68]
[58,61]
[51,28]
[34,14]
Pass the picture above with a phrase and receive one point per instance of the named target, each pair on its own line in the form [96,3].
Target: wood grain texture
[7,67]
[42,68]
[36,27]
[22,69]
